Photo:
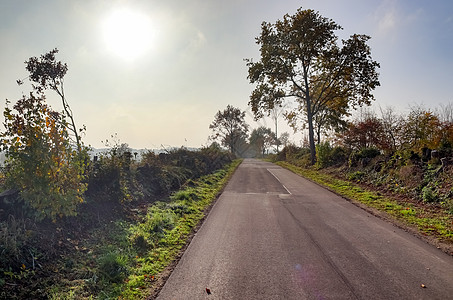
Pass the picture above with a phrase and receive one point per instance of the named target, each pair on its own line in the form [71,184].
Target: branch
[68,111]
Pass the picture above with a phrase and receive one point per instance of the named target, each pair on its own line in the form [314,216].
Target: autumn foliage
[41,163]
[420,129]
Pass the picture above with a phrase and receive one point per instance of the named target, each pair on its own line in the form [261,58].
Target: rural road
[275,235]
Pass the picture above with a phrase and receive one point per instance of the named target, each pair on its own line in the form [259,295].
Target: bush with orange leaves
[41,163]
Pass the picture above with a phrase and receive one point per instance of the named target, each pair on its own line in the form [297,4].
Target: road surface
[275,235]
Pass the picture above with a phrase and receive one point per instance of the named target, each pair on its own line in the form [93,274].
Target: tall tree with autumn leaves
[301,59]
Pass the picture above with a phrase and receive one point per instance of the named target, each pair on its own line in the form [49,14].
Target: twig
[11,284]
[33,259]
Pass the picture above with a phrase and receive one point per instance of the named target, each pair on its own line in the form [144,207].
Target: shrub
[369,153]
[41,161]
[338,155]
[363,156]
[161,174]
[323,155]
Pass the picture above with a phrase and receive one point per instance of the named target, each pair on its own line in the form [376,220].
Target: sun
[127,33]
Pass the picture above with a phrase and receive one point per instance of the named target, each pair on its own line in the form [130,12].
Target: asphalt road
[275,235]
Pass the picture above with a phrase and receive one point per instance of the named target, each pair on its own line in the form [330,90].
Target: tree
[445,113]
[422,128]
[41,163]
[48,73]
[325,120]
[366,133]
[392,125]
[261,139]
[229,127]
[284,139]
[240,144]
[275,113]
[301,60]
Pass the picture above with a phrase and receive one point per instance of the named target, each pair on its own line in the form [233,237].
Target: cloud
[392,19]
[387,22]
[386,17]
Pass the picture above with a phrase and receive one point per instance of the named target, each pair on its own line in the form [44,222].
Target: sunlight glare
[128,34]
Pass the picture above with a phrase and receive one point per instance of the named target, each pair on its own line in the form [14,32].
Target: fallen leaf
[423,286]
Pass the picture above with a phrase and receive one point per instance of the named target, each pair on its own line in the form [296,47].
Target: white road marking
[279,181]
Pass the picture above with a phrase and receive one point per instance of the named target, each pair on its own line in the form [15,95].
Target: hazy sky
[161,79]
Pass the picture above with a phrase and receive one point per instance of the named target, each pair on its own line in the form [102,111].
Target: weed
[429,195]
[187,194]
[356,176]
[113,266]
[181,208]
[139,242]
[15,234]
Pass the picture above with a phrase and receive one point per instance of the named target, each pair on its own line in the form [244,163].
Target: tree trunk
[276,135]
[68,112]
[318,134]
[232,138]
[311,133]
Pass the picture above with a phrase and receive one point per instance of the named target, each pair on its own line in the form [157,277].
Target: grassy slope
[434,224]
[126,259]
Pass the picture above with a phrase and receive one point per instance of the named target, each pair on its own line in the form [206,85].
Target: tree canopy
[301,59]
[261,139]
[229,127]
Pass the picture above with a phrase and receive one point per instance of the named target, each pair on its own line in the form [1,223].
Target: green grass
[436,224]
[125,258]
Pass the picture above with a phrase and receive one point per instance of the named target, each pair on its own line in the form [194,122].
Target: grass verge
[430,223]
[125,259]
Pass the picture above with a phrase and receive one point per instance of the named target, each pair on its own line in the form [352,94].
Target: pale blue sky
[190,63]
